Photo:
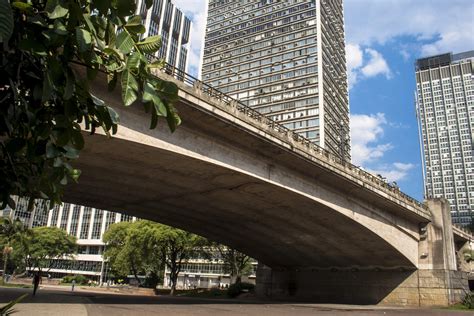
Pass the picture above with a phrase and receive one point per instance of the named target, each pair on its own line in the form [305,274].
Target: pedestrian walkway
[45,302]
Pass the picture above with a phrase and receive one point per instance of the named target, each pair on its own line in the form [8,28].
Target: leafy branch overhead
[43,102]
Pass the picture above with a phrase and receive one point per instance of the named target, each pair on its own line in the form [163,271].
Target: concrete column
[436,282]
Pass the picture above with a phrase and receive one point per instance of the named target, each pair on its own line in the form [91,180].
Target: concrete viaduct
[322,230]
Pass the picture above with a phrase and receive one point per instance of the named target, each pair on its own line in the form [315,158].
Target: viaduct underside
[318,235]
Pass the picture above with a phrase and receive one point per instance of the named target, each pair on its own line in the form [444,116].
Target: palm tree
[10,230]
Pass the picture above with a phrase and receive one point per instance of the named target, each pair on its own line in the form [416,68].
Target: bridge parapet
[298,143]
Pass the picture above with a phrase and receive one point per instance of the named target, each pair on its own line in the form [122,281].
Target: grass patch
[205,293]
[201,293]
[13,285]
[458,307]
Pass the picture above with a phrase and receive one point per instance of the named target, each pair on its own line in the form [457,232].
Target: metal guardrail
[212,92]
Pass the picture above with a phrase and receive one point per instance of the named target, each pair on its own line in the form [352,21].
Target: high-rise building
[285,59]
[166,20]
[445,112]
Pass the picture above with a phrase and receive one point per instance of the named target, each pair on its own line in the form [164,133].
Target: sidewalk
[47,303]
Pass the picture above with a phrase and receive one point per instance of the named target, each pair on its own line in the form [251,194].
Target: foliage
[80,279]
[43,245]
[237,288]
[132,248]
[468,255]
[45,101]
[8,309]
[236,263]
[468,300]
[11,231]
[144,247]
[177,247]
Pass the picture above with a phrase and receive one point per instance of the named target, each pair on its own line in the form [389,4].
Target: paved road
[55,302]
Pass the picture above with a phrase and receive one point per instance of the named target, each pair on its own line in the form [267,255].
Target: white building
[88,226]
[166,20]
[445,112]
[285,59]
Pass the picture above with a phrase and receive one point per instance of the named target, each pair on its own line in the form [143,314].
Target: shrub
[80,279]
[468,300]
[238,288]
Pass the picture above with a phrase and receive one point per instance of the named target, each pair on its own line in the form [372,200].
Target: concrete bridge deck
[231,175]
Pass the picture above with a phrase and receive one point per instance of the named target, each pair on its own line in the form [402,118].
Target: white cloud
[366,131]
[447,25]
[367,150]
[377,65]
[355,59]
[363,64]
[394,172]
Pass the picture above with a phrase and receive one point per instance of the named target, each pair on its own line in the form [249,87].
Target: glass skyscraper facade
[445,112]
[285,59]
[166,20]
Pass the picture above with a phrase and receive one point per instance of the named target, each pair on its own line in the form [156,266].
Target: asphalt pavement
[53,301]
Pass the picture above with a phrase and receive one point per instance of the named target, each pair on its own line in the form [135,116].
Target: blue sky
[383,39]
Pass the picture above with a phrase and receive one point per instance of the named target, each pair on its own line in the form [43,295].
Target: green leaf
[83,39]
[97,101]
[111,81]
[150,95]
[77,139]
[51,150]
[22,6]
[89,24]
[33,46]
[133,61]
[129,88]
[59,28]
[6,21]
[56,9]
[173,120]
[134,25]
[156,64]
[125,7]
[113,115]
[154,120]
[75,174]
[71,152]
[101,5]
[150,45]
[124,42]
[47,88]
[110,36]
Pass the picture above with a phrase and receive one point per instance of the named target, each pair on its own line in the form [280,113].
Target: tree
[131,248]
[10,231]
[177,247]
[145,247]
[44,100]
[236,263]
[43,245]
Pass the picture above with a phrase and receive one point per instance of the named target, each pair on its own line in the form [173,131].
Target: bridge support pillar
[436,282]
[387,287]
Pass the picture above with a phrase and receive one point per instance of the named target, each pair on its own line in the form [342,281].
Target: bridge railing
[214,93]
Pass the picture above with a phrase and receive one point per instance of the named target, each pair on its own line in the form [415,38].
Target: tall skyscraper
[166,20]
[285,59]
[445,111]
